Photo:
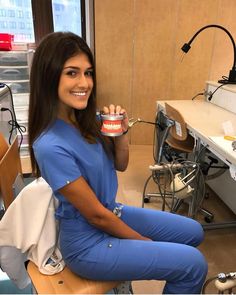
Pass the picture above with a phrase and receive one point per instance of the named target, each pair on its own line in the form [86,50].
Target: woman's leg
[182,267]
[163,226]
[168,258]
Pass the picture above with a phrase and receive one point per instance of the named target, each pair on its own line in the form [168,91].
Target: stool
[66,282]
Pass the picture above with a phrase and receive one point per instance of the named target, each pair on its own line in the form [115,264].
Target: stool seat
[66,282]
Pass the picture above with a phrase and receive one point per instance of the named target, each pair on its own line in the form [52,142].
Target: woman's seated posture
[99,238]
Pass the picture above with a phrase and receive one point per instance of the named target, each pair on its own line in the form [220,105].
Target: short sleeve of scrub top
[63,155]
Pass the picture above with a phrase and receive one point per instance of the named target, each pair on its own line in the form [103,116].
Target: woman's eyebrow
[76,68]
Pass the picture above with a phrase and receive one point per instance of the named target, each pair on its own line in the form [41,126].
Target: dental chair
[177,177]
[178,137]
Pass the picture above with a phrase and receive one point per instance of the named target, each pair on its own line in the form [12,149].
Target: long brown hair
[49,58]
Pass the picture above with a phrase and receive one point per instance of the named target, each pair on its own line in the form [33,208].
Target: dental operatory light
[232,74]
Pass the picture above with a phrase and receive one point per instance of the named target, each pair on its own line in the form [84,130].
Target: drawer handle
[11,72]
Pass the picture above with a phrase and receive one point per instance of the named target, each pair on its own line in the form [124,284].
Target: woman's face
[75,85]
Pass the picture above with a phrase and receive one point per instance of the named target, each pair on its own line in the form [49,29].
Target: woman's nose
[82,81]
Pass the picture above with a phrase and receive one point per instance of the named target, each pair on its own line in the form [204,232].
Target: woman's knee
[197,271]
[197,233]
[200,266]
[191,273]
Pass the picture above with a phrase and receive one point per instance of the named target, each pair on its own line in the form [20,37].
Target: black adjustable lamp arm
[232,75]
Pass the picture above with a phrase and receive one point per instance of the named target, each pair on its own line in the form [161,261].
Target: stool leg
[124,288]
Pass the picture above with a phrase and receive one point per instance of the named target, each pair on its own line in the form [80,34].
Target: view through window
[67,16]
[16,19]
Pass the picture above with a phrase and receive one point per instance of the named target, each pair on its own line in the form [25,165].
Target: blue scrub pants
[171,256]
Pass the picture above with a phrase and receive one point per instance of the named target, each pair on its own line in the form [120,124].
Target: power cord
[13,122]
[198,94]
[205,93]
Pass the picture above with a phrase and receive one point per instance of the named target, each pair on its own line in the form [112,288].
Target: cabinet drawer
[18,86]
[21,100]
[21,114]
[13,58]
[24,142]
[14,73]
[24,151]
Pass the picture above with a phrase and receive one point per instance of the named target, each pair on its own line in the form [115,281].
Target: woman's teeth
[79,93]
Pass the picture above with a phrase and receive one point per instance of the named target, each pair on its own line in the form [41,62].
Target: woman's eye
[89,73]
[71,73]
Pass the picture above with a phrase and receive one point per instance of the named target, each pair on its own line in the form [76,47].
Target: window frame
[43,19]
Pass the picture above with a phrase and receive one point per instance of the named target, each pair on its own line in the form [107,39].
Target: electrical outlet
[207,94]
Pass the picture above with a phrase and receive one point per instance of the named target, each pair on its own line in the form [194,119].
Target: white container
[223,97]
[14,73]
[18,86]
[13,58]
[21,100]
[21,114]
[24,152]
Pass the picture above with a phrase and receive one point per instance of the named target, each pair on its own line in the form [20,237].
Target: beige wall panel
[113,50]
[154,25]
[138,52]
[191,70]
[222,59]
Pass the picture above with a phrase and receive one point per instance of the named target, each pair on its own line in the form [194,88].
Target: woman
[99,238]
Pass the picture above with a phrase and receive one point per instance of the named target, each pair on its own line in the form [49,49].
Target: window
[30,20]
[67,16]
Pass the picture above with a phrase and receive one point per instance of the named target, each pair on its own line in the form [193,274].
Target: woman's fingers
[118,109]
[112,109]
[105,110]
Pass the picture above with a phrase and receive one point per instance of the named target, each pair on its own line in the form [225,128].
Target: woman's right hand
[112,109]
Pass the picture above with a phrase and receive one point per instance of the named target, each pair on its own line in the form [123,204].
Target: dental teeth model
[112,125]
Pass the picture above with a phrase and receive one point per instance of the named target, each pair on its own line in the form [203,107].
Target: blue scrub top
[63,155]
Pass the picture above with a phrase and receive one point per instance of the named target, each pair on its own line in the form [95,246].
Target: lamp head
[185,48]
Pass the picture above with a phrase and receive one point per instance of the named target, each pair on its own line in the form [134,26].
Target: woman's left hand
[112,109]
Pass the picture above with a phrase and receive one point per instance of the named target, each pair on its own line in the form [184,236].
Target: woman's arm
[82,197]
[121,143]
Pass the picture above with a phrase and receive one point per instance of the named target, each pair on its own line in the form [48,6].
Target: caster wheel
[207,195]
[146,200]
[208,219]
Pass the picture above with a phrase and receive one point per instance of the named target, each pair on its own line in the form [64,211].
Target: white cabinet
[225,185]
[15,71]
[223,96]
